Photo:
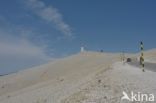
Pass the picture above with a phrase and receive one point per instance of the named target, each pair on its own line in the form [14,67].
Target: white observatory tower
[82,49]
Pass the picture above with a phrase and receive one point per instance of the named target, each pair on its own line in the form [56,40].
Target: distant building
[82,49]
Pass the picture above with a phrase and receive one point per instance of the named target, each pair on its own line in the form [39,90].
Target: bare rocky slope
[57,77]
[63,79]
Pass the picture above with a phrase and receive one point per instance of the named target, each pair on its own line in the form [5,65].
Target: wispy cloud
[16,54]
[49,14]
[24,47]
[21,48]
[17,50]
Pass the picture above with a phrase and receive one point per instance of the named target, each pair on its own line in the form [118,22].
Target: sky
[34,32]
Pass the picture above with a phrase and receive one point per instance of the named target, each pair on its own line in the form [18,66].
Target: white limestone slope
[52,82]
[88,77]
[108,85]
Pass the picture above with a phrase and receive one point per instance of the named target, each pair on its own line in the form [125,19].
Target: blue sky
[33,32]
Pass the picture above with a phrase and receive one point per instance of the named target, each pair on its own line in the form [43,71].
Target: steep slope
[108,86]
[53,80]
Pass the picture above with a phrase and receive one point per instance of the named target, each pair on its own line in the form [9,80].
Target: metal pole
[142,56]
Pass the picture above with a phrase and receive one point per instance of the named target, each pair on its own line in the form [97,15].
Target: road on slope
[148,65]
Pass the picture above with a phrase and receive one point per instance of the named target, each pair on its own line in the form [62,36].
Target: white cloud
[18,49]
[49,14]
[17,54]
[21,48]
